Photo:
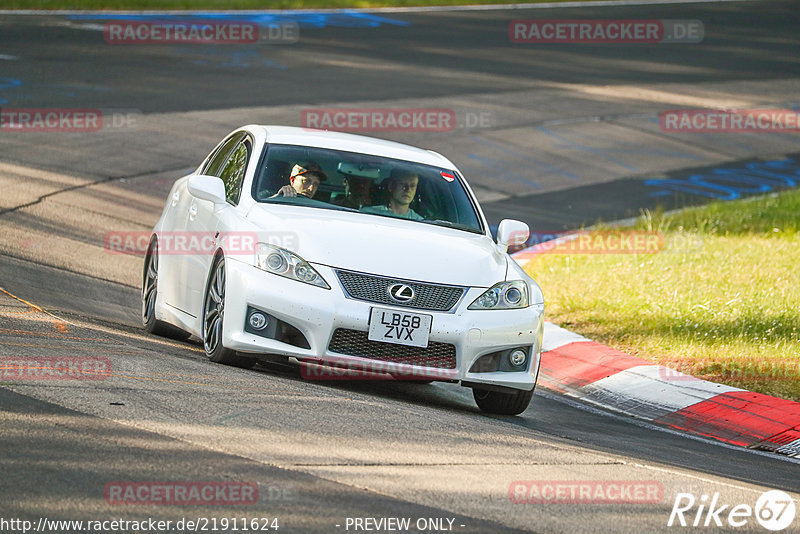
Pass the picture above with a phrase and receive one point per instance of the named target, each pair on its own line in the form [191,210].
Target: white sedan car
[342,250]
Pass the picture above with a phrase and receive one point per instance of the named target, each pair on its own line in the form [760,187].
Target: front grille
[372,288]
[356,343]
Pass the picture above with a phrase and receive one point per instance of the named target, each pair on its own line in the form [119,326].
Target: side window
[215,163]
[233,172]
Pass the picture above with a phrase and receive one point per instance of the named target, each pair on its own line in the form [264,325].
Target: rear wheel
[213,317]
[149,293]
[511,403]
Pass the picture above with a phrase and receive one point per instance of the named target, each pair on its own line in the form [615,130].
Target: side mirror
[511,232]
[207,188]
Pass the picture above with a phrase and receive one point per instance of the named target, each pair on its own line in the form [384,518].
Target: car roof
[291,135]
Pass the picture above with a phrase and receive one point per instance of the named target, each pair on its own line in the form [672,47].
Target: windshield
[374,185]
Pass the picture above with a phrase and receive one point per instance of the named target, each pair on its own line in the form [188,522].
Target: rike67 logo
[774,510]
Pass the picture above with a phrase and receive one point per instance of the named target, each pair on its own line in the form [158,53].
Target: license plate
[403,328]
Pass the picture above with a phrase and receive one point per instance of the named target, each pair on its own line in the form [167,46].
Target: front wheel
[511,403]
[213,317]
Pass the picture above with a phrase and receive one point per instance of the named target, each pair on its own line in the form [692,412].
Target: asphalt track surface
[321,452]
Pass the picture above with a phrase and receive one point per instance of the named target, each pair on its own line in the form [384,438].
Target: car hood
[381,245]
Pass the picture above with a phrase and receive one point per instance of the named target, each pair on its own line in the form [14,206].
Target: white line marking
[9,58]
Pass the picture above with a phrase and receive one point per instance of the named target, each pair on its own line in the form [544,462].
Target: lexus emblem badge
[401,293]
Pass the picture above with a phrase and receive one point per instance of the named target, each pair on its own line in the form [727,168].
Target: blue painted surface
[730,183]
[8,83]
[305,19]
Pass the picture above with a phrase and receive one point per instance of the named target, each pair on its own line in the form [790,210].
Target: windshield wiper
[457,226]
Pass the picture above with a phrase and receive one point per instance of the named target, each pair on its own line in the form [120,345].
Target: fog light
[517,357]
[258,320]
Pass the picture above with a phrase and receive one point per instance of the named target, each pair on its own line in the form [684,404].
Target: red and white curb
[582,368]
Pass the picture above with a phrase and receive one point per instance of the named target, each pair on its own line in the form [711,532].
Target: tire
[213,317]
[149,293]
[511,403]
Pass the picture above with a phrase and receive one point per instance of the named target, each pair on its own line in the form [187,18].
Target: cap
[309,168]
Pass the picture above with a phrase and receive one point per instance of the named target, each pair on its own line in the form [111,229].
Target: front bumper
[317,313]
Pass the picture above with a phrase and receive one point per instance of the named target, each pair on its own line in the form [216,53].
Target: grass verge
[162,5]
[720,302]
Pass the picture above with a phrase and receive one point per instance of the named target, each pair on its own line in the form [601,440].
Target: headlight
[280,261]
[503,296]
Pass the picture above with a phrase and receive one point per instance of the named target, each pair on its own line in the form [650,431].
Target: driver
[402,187]
[304,180]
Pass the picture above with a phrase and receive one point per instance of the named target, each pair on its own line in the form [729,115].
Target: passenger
[304,180]
[357,193]
[402,187]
